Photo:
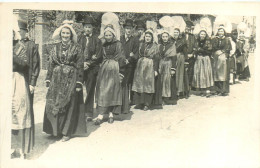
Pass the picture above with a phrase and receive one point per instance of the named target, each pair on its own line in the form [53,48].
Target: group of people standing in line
[117,72]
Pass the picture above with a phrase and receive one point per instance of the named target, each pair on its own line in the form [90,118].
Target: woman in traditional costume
[181,73]
[182,79]
[167,69]
[64,111]
[243,52]
[221,47]
[22,114]
[145,72]
[168,62]
[232,60]
[203,78]
[110,76]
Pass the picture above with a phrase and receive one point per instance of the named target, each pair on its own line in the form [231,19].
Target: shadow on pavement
[42,142]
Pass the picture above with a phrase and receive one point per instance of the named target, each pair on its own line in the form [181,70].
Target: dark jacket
[203,47]
[222,44]
[33,60]
[94,48]
[129,46]
[190,44]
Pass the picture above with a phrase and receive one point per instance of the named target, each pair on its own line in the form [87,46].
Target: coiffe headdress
[69,22]
[222,22]
[179,23]
[16,28]
[110,18]
[56,35]
[203,25]
[109,28]
[167,25]
[152,28]
[242,27]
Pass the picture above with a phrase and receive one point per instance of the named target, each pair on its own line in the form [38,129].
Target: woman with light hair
[145,72]
[167,69]
[110,75]
[64,111]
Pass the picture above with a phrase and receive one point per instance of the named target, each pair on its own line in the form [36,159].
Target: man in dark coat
[188,51]
[130,45]
[92,50]
[33,61]
[140,27]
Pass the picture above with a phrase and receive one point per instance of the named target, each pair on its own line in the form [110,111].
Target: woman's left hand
[155,73]
[172,72]
[121,76]
[78,89]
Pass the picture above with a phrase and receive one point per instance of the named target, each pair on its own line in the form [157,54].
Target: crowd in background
[155,68]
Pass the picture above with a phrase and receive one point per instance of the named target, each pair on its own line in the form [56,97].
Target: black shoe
[98,122]
[208,95]
[224,94]
[110,120]
[219,94]
[15,155]
[131,104]
[139,106]
[65,138]
[89,119]
[146,108]
[158,106]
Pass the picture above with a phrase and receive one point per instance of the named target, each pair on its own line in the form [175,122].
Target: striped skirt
[202,77]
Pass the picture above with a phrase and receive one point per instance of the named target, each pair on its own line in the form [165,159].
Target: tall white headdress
[110,18]
[223,22]
[242,27]
[178,22]
[69,22]
[56,35]
[204,24]
[167,25]
[151,26]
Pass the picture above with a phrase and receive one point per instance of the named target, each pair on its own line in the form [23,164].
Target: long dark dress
[108,88]
[182,79]
[64,110]
[22,114]
[221,49]
[144,77]
[168,63]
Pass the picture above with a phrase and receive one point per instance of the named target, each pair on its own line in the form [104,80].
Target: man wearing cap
[188,52]
[33,58]
[92,50]
[130,45]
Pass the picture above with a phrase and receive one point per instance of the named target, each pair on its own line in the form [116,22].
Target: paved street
[198,132]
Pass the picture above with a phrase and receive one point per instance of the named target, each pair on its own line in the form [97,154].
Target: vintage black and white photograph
[97,88]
